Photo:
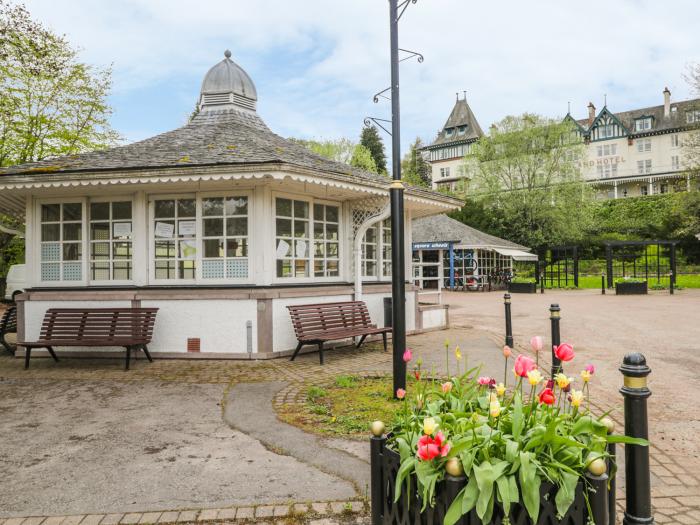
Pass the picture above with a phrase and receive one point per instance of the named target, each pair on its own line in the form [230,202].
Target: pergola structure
[635,259]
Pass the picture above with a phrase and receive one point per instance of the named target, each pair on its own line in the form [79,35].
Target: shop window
[225,237]
[61,251]
[111,236]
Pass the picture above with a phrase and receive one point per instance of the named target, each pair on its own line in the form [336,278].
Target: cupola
[227,86]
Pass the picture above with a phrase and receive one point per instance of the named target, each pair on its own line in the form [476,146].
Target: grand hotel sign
[603,161]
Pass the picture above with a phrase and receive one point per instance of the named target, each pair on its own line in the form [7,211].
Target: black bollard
[637,476]
[602,284]
[599,498]
[542,284]
[670,283]
[509,323]
[377,444]
[612,484]
[555,317]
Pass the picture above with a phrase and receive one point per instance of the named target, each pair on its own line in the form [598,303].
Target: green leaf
[504,493]
[454,513]
[567,491]
[530,485]
[614,438]
[518,420]
[471,493]
[404,470]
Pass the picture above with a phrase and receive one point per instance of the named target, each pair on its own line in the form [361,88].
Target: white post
[651,186]
[615,189]
[687,182]
[141,250]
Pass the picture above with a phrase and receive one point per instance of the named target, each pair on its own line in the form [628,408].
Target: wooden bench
[319,323]
[8,325]
[131,328]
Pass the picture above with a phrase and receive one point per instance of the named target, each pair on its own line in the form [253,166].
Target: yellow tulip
[586,376]
[447,343]
[500,389]
[534,377]
[458,354]
[494,408]
[562,380]
[429,426]
[576,397]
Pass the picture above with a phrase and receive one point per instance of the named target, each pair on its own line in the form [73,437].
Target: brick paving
[675,482]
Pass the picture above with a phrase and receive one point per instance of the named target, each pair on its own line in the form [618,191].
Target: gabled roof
[439,228]
[605,112]
[461,115]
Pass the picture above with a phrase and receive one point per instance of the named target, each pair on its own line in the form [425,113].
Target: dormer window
[449,132]
[461,130]
[642,124]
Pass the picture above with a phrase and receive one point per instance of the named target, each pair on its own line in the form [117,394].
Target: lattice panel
[72,271]
[365,209]
[51,251]
[213,269]
[237,268]
[51,272]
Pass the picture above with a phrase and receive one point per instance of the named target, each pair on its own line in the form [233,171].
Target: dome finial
[227,53]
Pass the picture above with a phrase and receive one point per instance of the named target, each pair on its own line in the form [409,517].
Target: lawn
[682,280]
[344,407]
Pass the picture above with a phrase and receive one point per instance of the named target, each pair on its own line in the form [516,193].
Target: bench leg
[320,352]
[128,357]
[145,351]
[384,338]
[53,354]
[296,351]
[27,355]
[362,340]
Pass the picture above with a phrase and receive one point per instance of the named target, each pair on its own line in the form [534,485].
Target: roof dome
[227,85]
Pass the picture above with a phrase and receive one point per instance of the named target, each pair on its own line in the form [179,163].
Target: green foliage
[526,179]
[341,150]
[51,104]
[522,280]
[415,170]
[371,140]
[362,158]
[315,392]
[346,381]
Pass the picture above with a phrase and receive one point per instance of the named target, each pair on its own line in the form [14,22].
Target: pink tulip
[430,448]
[400,393]
[564,352]
[407,355]
[485,381]
[537,343]
[523,365]
[446,387]
[590,369]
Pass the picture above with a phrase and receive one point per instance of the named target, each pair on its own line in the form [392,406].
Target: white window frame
[83,241]
[675,162]
[198,238]
[642,124]
[110,200]
[674,140]
[376,227]
[342,245]
[643,145]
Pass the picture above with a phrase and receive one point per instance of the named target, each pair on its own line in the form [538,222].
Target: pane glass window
[225,237]
[61,247]
[386,248]
[326,241]
[292,238]
[111,241]
[175,238]
[369,252]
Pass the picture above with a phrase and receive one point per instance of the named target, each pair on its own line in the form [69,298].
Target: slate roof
[219,137]
[461,115]
[438,228]
[676,120]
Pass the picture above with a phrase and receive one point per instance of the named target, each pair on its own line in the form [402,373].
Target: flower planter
[406,511]
[522,287]
[630,288]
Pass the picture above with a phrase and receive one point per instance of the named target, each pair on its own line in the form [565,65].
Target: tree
[691,144]
[371,140]
[414,168]
[362,158]
[526,175]
[51,104]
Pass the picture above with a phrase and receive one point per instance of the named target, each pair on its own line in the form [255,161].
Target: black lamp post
[398,270]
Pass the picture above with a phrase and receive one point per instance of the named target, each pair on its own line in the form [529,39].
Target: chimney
[591,113]
[667,103]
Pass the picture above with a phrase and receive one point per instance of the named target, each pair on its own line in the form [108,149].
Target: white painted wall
[434,318]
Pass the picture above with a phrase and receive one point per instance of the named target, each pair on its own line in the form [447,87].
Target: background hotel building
[631,153]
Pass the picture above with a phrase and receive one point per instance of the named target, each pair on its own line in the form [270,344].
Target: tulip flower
[429,448]
[523,365]
[562,380]
[429,426]
[549,383]
[507,351]
[485,380]
[576,398]
[407,355]
[500,389]
[586,376]
[446,387]
[447,343]
[400,393]
[547,396]
[536,343]
[564,352]
[589,368]
[494,408]
[534,377]
[416,373]
[458,354]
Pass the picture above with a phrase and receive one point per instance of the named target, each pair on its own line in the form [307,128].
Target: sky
[317,63]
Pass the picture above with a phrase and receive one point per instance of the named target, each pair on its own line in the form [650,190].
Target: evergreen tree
[362,158]
[414,168]
[371,140]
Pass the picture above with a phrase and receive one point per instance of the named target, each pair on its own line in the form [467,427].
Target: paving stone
[264,511]
[226,514]
[132,517]
[168,517]
[187,515]
[111,519]
[319,507]
[34,520]
[54,520]
[357,506]
[324,521]
[281,511]
[689,501]
[245,513]
[75,519]
[92,519]
[300,508]
[150,517]
[14,521]
[206,515]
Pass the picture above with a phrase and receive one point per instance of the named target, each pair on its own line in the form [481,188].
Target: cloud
[317,63]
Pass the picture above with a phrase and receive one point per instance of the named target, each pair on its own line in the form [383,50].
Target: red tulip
[564,352]
[417,374]
[432,447]
[523,365]
[547,396]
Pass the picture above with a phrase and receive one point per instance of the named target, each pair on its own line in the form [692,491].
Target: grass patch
[344,408]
